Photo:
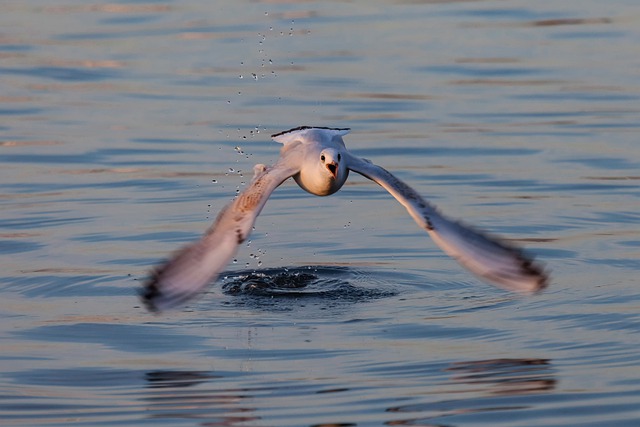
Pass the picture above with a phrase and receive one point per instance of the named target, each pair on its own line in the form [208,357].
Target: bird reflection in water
[506,376]
[497,385]
[491,386]
[175,395]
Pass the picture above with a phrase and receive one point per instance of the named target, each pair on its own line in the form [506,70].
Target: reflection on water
[509,378]
[506,376]
[125,127]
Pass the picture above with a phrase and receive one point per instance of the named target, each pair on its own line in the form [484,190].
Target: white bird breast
[319,181]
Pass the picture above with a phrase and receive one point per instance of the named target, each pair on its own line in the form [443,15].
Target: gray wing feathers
[489,257]
[190,270]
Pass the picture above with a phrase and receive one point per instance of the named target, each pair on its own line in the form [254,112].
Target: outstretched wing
[190,270]
[488,257]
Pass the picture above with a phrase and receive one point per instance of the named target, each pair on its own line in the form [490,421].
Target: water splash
[334,283]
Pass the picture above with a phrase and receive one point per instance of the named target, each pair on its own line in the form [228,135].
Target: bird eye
[338,157]
[322,157]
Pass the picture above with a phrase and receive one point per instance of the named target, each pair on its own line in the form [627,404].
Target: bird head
[331,159]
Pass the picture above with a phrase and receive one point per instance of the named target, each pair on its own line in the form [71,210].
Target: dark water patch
[432,370]
[79,377]
[175,141]
[128,20]
[147,186]
[19,112]
[482,71]
[556,254]
[594,96]
[87,158]
[7,47]
[629,243]
[605,163]
[585,35]
[591,187]
[173,97]
[559,132]
[387,106]
[628,125]
[135,152]
[139,339]
[502,13]
[35,222]
[64,286]
[233,32]
[16,246]
[512,117]
[161,236]
[66,74]
[593,321]
[278,354]
[107,157]
[631,264]
[507,183]
[430,331]
[603,217]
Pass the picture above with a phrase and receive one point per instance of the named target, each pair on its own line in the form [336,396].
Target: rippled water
[126,126]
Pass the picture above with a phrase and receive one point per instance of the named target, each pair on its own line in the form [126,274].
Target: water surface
[125,127]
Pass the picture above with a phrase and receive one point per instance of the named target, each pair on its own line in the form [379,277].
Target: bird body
[319,178]
[319,162]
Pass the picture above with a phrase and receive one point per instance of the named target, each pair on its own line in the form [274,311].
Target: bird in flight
[319,162]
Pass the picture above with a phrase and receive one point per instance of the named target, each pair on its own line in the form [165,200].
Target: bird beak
[333,168]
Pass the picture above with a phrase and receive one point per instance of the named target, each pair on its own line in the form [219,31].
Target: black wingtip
[531,267]
[150,292]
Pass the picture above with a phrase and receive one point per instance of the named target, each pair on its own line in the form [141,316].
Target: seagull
[319,162]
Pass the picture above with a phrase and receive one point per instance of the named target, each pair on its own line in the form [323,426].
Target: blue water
[125,127]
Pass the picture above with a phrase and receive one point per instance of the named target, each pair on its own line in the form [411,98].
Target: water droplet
[215,181]
[235,261]
[259,263]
